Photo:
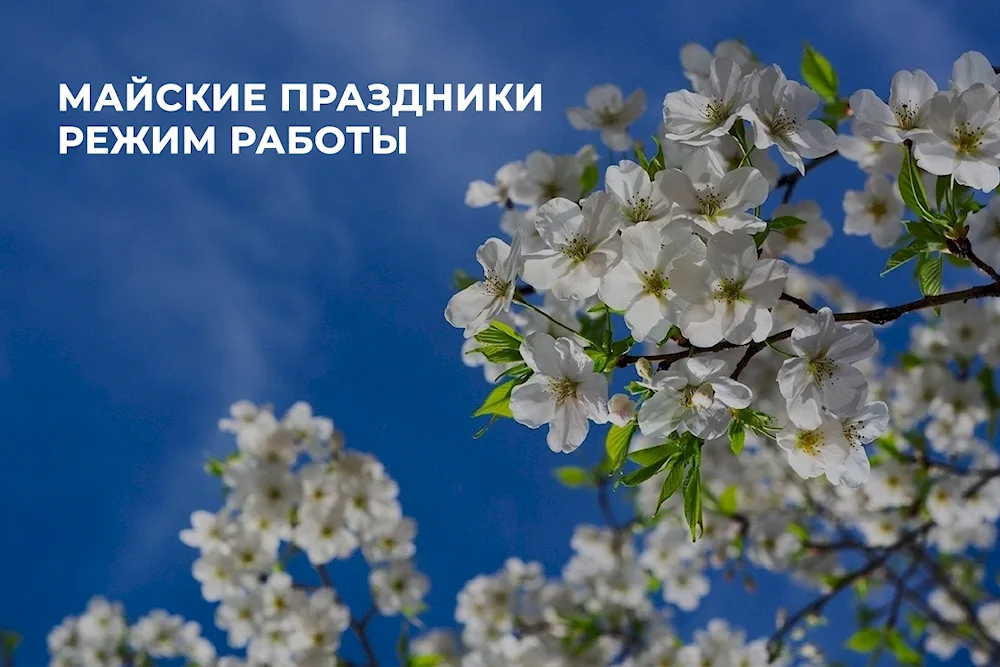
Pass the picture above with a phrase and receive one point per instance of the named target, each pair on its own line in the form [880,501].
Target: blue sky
[140,296]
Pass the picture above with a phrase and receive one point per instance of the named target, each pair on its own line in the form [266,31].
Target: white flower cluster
[291,487]
[102,637]
[597,614]
[955,133]
[676,252]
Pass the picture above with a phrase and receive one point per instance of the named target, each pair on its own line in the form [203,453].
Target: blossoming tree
[748,417]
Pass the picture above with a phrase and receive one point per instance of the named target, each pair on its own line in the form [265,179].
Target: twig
[964,249]
[360,627]
[776,642]
[801,303]
[875,316]
[790,180]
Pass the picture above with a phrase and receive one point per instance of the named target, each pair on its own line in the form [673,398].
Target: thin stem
[791,180]
[360,627]
[520,300]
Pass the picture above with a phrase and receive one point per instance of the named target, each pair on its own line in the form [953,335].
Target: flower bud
[645,369]
[621,410]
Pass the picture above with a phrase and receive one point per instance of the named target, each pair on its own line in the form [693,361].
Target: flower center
[877,208]
[793,233]
[654,283]
[821,369]
[577,249]
[729,291]
[809,442]
[638,209]
[709,203]
[550,190]
[716,111]
[783,124]
[968,139]
[563,388]
[906,115]
[607,116]
[494,285]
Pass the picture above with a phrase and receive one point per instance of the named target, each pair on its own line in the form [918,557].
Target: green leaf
[941,189]
[957,261]
[641,158]
[819,74]
[779,224]
[927,231]
[499,334]
[918,625]
[929,270]
[589,178]
[737,436]
[671,483]
[616,444]
[902,256]
[519,372]
[909,360]
[497,354]
[834,113]
[904,652]
[692,500]
[637,477]
[425,660]
[650,455]
[988,385]
[11,640]
[865,640]
[783,222]
[658,163]
[756,421]
[911,188]
[574,477]
[799,531]
[461,280]
[728,502]
[498,401]
[215,467]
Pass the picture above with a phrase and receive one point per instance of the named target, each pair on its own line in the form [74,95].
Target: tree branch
[791,180]
[875,316]
[776,642]
[801,303]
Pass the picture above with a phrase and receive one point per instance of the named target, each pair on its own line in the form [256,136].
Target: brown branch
[360,627]
[963,248]
[776,642]
[791,180]
[801,303]
[875,316]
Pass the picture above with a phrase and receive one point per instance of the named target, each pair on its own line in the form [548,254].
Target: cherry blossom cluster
[292,488]
[680,252]
[671,267]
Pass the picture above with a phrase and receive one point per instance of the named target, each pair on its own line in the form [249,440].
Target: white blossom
[695,398]
[730,294]
[608,112]
[582,245]
[563,392]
